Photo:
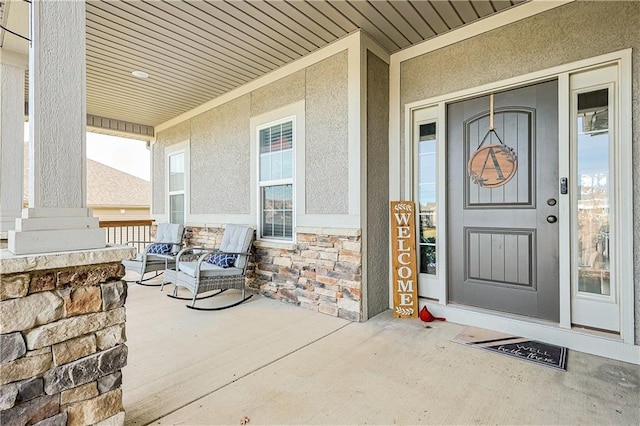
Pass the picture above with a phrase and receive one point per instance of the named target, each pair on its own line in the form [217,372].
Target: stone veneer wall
[62,325]
[322,271]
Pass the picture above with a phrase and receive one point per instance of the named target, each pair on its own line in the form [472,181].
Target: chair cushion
[159,248]
[208,269]
[222,260]
[237,239]
[169,233]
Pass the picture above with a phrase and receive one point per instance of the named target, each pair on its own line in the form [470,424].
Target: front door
[502,191]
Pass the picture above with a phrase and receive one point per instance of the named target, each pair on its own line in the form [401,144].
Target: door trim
[624,190]
[585,304]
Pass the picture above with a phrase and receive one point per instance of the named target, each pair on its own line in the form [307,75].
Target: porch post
[12,67]
[57,218]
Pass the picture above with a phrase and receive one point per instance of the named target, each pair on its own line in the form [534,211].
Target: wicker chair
[221,269]
[158,255]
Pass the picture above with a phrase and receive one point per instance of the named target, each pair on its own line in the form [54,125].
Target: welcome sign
[405,278]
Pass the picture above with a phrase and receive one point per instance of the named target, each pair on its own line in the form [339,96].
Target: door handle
[552,219]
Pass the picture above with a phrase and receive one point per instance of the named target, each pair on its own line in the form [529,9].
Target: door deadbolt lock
[551,201]
[552,219]
[564,189]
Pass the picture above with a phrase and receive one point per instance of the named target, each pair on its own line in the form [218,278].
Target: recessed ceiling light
[140,74]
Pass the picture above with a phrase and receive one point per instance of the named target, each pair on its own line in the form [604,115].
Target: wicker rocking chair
[158,255]
[215,270]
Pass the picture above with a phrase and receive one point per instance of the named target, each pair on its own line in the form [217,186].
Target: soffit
[195,51]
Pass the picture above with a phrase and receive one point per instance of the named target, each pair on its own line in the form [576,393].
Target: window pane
[265,167]
[267,223]
[276,152]
[276,166]
[288,224]
[287,164]
[427,197]
[176,206]
[593,184]
[265,140]
[276,132]
[277,211]
[427,132]
[287,135]
[427,174]
[176,172]
[278,223]
[428,258]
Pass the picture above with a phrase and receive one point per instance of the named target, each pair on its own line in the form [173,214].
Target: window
[177,184]
[276,180]
[427,197]
[598,174]
[593,191]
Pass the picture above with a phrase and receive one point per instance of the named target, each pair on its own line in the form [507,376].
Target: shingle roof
[107,186]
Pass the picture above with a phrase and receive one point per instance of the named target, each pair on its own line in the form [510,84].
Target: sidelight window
[427,197]
[593,189]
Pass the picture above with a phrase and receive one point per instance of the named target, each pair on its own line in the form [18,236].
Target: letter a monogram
[492,166]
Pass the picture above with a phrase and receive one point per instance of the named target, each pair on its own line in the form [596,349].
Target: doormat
[513,346]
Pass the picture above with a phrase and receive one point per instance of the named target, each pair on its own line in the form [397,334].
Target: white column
[12,68]
[57,105]
[57,218]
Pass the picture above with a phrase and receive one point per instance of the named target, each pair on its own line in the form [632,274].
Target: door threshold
[596,331]
[578,339]
[501,314]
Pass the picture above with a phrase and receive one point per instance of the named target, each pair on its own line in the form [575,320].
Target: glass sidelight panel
[427,197]
[593,192]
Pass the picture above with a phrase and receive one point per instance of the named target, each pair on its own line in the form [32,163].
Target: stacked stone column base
[62,339]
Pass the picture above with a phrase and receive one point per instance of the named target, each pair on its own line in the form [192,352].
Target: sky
[128,155]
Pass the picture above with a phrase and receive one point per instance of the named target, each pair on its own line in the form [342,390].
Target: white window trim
[622,348]
[182,147]
[429,285]
[293,112]
[278,182]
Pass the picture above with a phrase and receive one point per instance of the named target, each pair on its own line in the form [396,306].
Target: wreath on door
[494,165]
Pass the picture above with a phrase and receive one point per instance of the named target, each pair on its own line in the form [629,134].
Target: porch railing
[121,231]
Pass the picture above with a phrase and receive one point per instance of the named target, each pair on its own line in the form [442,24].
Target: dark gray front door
[502,238]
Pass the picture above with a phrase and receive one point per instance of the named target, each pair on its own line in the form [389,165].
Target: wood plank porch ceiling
[195,51]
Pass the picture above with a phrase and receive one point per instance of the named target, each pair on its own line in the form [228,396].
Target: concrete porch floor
[279,364]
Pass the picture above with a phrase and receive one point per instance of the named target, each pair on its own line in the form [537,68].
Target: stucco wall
[327,137]
[377,166]
[174,135]
[220,143]
[282,92]
[570,33]
[220,166]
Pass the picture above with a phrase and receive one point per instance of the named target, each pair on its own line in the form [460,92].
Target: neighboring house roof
[107,186]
